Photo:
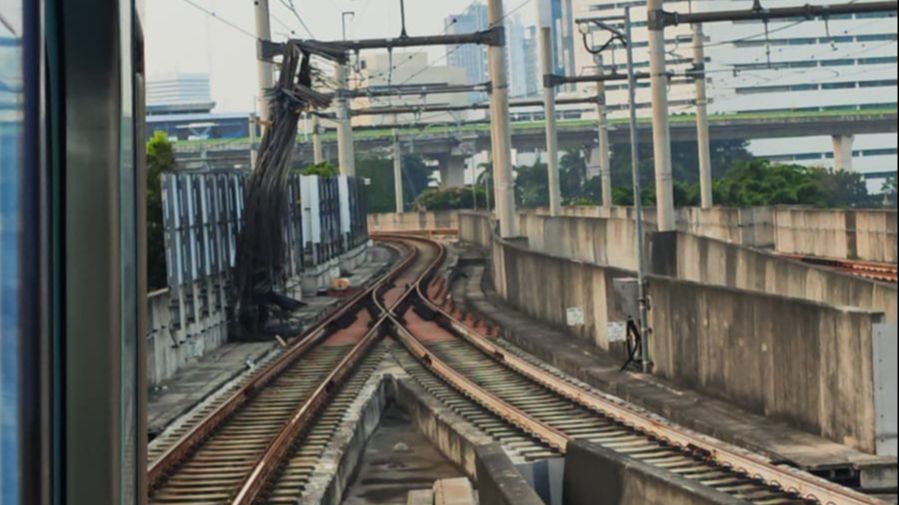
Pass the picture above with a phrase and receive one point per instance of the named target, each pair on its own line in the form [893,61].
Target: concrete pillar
[842,152]
[345,150]
[603,155]
[552,134]
[398,172]
[254,153]
[501,134]
[452,171]
[661,131]
[702,119]
[317,154]
[265,70]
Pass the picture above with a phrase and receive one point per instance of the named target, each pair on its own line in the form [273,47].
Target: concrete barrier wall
[499,482]
[807,363]
[170,344]
[711,261]
[595,475]
[412,221]
[854,234]
[552,289]
[868,235]
[802,361]
[475,228]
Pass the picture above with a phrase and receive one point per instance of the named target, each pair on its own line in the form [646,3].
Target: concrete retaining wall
[595,475]
[711,261]
[802,361]
[412,221]
[552,289]
[807,363]
[172,344]
[855,234]
[499,482]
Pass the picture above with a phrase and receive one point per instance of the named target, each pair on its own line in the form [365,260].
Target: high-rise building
[179,94]
[847,63]
[522,59]
[470,57]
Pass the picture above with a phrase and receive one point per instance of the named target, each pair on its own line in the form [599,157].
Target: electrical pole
[552,134]
[265,70]
[501,137]
[605,170]
[643,324]
[661,131]
[317,155]
[254,153]
[398,172]
[702,119]
[345,149]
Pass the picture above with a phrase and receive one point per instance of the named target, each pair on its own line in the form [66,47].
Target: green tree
[323,169]
[889,192]
[416,177]
[449,198]
[160,159]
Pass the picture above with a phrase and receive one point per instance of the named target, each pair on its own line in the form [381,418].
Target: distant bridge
[441,141]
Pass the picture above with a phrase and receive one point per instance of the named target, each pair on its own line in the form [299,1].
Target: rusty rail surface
[255,484]
[167,462]
[809,487]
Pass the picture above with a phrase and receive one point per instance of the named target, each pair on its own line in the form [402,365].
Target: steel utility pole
[605,170]
[398,172]
[552,133]
[265,70]
[501,137]
[702,119]
[643,324]
[345,149]
[317,155]
[661,131]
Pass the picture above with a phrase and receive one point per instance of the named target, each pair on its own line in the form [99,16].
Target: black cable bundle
[261,248]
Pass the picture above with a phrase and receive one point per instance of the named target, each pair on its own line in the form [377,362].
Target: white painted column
[265,70]
[842,152]
[605,169]
[702,120]
[345,150]
[552,134]
[501,135]
[661,131]
[398,172]
[317,154]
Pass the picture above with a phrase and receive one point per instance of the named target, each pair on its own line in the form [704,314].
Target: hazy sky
[182,38]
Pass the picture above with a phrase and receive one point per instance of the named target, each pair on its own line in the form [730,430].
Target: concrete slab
[454,492]
[398,462]
[717,418]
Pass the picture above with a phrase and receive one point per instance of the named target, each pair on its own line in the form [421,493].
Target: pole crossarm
[337,50]
[661,18]
[554,80]
[417,89]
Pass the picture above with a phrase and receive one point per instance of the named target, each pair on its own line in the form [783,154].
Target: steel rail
[191,440]
[789,479]
[256,482]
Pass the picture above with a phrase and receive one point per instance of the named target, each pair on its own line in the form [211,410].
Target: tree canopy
[160,158]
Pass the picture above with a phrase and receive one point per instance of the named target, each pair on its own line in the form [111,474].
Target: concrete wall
[412,221]
[547,288]
[856,234]
[499,482]
[595,475]
[711,261]
[807,363]
[170,344]
[802,361]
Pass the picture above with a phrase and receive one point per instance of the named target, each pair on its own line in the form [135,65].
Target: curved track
[552,411]
[232,455]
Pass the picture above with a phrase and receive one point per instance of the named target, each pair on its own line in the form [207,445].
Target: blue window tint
[11,110]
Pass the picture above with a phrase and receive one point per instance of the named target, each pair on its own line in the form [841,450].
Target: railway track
[238,448]
[262,443]
[552,411]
